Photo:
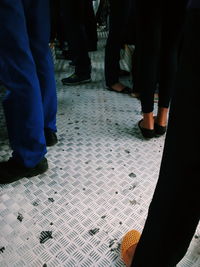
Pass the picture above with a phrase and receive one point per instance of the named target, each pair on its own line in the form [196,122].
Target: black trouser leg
[158,31]
[90,26]
[148,34]
[119,11]
[172,31]
[76,35]
[175,211]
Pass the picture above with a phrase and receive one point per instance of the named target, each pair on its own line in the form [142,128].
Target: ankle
[162,116]
[148,120]
[117,86]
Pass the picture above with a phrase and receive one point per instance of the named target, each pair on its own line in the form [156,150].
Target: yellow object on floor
[128,246]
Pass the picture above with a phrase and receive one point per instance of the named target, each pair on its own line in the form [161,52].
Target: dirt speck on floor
[44,236]
[94,231]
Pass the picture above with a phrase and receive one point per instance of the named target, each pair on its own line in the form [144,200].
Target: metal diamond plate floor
[99,185]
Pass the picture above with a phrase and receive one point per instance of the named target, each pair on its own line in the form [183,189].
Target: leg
[147,53]
[173,217]
[172,30]
[119,11]
[23,104]
[39,32]
[148,33]
[90,25]
[77,37]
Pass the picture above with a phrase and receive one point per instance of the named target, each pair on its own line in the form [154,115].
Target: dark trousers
[102,12]
[57,23]
[119,17]
[27,71]
[90,25]
[174,212]
[76,34]
[158,33]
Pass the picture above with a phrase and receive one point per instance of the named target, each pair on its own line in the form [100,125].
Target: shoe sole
[77,83]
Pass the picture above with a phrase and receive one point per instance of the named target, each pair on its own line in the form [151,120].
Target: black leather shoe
[51,137]
[12,170]
[75,79]
[159,130]
[147,133]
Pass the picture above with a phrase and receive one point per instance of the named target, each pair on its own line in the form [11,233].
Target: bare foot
[118,87]
[148,121]
[162,116]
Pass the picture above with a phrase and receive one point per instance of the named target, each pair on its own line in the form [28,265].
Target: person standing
[27,71]
[159,27]
[174,212]
[81,38]
[120,13]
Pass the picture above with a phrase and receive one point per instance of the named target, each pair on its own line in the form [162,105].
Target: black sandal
[147,133]
[160,130]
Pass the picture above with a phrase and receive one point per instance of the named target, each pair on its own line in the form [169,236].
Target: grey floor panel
[99,185]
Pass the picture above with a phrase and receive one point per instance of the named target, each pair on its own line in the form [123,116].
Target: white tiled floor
[100,182]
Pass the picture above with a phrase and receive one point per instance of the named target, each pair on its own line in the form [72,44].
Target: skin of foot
[148,121]
[118,87]
[162,115]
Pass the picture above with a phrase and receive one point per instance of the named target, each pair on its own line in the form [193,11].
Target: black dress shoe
[12,170]
[51,137]
[159,130]
[76,79]
[147,133]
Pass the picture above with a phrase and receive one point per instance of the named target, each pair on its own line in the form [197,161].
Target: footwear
[128,246]
[159,130]
[12,170]
[147,133]
[125,90]
[50,136]
[75,79]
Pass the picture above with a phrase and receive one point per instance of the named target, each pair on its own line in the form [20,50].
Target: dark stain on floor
[51,199]
[133,202]
[94,231]
[132,175]
[132,187]
[114,245]
[35,203]
[2,249]
[44,236]
[20,217]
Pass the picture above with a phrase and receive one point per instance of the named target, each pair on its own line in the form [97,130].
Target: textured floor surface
[99,185]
